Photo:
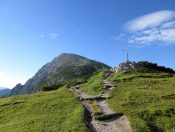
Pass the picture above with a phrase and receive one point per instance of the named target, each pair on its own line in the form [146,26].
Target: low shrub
[52,87]
[154,66]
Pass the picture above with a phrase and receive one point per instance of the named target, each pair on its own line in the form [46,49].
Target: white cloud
[167,36]
[150,20]
[9,81]
[120,37]
[162,36]
[170,24]
[53,35]
[155,28]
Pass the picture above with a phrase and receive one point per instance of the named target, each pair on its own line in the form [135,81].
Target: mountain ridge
[66,66]
[1,88]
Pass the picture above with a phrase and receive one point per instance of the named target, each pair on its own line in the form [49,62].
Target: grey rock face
[16,89]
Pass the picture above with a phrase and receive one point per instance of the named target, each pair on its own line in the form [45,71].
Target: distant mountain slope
[1,88]
[4,91]
[64,67]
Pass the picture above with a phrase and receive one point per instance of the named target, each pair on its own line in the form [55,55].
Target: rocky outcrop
[127,66]
[16,89]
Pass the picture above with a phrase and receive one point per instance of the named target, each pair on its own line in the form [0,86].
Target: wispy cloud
[120,37]
[150,20]
[160,36]
[48,35]
[155,28]
[53,35]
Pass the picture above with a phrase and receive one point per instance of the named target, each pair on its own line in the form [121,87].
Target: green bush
[52,87]
[154,66]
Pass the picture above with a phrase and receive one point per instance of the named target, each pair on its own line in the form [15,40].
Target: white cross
[126,55]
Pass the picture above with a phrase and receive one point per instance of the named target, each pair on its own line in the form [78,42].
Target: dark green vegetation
[67,84]
[45,111]
[52,87]
[148,99]
[65,67]
[94,85]
[154,67]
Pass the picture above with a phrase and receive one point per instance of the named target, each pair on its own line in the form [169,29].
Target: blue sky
[33,32]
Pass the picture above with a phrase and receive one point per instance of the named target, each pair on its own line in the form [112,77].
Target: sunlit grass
[148,99]
[94,85]
[46,111]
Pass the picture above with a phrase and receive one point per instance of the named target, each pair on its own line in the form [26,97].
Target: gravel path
[109,120]
[104,107]
[120,124]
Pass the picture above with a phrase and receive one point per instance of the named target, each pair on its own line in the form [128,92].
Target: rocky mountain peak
[64,67]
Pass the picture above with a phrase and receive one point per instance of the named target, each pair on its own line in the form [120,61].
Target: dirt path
[115,124]
[104,107]
[105,120]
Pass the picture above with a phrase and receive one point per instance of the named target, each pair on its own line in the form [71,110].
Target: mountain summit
[64,67]
[142,66]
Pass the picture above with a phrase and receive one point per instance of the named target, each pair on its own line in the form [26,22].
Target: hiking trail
[98,115]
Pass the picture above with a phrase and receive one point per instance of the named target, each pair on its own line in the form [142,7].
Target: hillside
[148,99]
[136,97]
[62,68]
[1,88]
[144,93]
[45,111]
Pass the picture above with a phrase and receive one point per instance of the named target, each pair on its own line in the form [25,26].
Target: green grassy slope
[46,111]
[148,99]
[94,85]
